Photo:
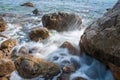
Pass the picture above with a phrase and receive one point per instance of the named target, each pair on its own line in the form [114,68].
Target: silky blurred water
[19,27]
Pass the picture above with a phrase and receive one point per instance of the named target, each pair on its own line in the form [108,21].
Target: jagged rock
[3,25]
[6,46]
[101,39]
[38,34]
[28,4]
[61,21]
[30,67]
[72,50]
[6,67]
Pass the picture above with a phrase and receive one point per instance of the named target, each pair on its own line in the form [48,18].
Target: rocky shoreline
[100,40]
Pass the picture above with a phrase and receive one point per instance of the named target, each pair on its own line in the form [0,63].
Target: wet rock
[38,34]
[115,70]
[101,39]
[30,67]
[21,53]
[70,48]
[3,25]
[79,78]
[64,76]
[28,4]
[6,67]
[61,21]
[3,78]
[36,12]
[10,43]
[7,46]
[68,69]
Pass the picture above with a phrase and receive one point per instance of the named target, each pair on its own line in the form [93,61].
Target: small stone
[38,34]
[28,4]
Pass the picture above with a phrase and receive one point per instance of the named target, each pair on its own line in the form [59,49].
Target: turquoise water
[90,9]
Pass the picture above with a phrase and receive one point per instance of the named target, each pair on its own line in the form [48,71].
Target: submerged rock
[28,4]
[79,78]
[30,67]
[61,21]
[36,12]
[3,25]
[72,50]
[38,34]
[102,39]
[6,67]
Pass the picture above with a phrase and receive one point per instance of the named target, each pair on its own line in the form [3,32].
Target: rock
[10,43]
[72,50]
[21,53]
[115,70]
[64,76]
[3,78]
[30,67]
[79,78]
[38,34]
[28,4]
[61,21]
[7,46]
[3,25]
[101,39]
[68,69]
[36,12]
[6,67]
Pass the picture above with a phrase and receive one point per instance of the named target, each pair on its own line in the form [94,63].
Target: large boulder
[61,21]
[102,39]
[38,34]
[3,25]
[6,67]
[30,67]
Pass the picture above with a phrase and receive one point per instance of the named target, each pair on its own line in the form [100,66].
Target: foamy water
[19,27]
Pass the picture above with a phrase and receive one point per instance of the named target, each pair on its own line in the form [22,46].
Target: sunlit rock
[7,45]
[38,34]
[61,21]
[6,67]
[30,67]
[102,39]
[3,25]
[3,78]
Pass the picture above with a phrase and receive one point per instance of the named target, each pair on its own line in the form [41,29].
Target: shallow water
[19,26]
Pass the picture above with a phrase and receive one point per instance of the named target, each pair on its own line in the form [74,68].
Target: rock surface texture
[3,25]
[102,39]
[61,21]
[30,67]
[38,34]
